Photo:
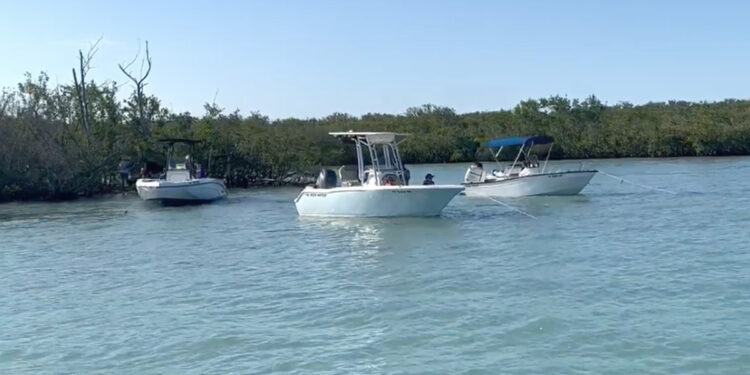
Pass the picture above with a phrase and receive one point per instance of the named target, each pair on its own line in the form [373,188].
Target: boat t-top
[379,189]
[182,183]
[525,176]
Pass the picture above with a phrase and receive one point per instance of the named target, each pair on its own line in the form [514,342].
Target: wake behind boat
[523,177]
[379,190]
[182,183]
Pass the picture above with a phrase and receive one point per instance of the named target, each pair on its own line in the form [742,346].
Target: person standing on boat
[190,166]
[428,180]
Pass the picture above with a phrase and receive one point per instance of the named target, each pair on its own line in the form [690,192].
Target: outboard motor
[326,179]
[407,175]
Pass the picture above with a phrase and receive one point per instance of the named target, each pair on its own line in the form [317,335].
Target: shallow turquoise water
[618,280]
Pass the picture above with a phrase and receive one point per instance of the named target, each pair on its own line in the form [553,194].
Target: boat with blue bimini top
[182,183]
[524,177]
[380,189]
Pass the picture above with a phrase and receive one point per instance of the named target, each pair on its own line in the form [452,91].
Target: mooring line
[637,184]
[510,207]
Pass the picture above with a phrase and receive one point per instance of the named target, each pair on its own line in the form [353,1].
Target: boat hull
[200,190]
[376,201]
[560,183]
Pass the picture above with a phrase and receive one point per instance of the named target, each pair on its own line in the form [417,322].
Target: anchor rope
[637,184]
[510,207]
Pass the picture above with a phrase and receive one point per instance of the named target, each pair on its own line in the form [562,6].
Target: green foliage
[45,152]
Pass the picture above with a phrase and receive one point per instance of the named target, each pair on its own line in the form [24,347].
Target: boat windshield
[178,166]
[181,163]
[378,159]
[384,157]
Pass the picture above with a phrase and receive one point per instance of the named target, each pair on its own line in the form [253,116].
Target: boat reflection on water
[373,234]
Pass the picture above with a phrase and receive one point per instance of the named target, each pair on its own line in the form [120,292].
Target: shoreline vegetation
[66,141]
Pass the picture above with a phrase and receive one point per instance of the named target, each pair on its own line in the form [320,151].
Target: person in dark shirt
[428,180]
[190,166]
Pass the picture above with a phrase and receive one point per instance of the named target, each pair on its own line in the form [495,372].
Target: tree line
[64,141]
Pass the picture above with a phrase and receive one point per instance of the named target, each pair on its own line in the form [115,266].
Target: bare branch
[81,92]
[75,80]
[93,49]
[148,61]
[84,65]
[137,54]
[127,74]
[139,83]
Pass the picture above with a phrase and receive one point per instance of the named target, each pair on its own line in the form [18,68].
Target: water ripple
[616,281]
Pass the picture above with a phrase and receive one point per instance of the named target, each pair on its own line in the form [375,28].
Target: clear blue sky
[313,58]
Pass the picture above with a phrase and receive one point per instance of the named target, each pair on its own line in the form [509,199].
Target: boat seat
[348,175]
[474,174]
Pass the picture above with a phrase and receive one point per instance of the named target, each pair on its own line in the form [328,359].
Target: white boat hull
[376,201]
[560,183]
[183,192]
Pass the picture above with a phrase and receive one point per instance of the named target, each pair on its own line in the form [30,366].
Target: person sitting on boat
[475,173]
[531,162]
[529,165]
[428,180]
[390,179]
